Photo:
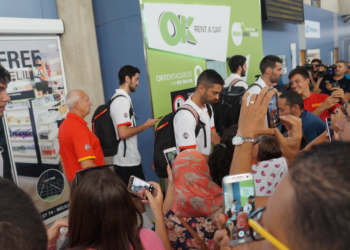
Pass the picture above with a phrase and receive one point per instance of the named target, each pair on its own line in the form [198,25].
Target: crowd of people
[300,172]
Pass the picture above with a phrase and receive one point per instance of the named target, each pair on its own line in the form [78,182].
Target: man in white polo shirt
[238,68]
[209,85]
[128,158]
[271,70]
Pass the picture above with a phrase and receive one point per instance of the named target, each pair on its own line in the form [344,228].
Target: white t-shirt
[238,84]
[267,175]
[247,208]
[185,125]
[120,115]
[233,210]
[256,89]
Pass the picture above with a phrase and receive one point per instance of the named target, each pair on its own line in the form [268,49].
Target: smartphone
[238,204]
[273,117]
[329,128]
[138,187]
[170,155]
[335,84]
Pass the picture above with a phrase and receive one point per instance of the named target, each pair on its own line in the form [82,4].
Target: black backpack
[103,128]
[165,138]
[228,108]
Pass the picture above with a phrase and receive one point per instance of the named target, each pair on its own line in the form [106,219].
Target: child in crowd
[270,166]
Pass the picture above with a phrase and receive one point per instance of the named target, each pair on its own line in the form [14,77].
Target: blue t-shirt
[312,126]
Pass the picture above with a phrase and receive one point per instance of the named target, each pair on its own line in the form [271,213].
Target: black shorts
[125,172]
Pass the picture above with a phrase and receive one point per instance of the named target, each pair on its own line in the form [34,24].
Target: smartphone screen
[272,112]
[170,155]
[138,187]
[329,128]
[335,84]
[238,204]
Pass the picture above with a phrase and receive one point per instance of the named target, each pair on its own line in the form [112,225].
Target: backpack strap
[234,81]
[254,84]
[192,110]
[210,109]
[194,234]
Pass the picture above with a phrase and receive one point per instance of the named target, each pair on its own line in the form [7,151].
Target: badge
[126,115]
[185,135]
[87,146]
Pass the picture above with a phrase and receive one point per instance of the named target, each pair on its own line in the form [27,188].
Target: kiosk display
[32,119]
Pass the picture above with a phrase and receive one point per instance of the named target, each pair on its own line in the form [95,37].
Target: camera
[308,67]
[329,71]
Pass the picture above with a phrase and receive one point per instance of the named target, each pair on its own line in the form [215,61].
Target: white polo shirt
[120,115]
[232,77]
[185,126]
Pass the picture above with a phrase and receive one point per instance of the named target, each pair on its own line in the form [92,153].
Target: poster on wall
[284,63]
[183,38]
[32,119]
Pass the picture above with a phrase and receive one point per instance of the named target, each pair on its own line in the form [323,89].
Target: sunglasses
[257,232]
[80,173]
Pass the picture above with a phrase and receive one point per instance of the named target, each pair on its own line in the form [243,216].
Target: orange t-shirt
[77,143]
[314,101]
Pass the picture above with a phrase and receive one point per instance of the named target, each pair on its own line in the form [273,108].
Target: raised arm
[156,204]
[251,124]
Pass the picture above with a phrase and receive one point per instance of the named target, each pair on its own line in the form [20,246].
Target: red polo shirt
[77,143]
[314,101]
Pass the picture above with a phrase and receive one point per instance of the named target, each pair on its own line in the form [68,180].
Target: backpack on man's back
[165,138]
[228,108]
[104,129]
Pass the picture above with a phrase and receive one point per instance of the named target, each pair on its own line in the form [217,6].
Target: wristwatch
[239,140]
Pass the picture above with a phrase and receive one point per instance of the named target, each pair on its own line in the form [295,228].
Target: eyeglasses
[80,173]
[257,232]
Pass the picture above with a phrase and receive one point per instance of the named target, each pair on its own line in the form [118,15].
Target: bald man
[79,147]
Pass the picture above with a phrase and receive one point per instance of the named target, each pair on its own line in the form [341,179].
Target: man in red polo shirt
[321,105]
[79,147]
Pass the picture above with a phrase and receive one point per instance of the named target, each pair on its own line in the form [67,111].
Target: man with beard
[238,67]
[271,70]
[128,159]
[209,85]
[325,84]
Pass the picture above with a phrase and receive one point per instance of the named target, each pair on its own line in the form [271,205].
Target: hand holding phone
[138,187]
[329,128]
[238,204]
[170,155]
[273,118]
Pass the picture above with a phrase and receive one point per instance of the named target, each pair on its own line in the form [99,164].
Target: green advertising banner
[184,38]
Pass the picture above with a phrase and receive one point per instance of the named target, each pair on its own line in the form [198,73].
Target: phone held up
[170,155]
[238,204]
[329,128]
[138,187]
[273,118]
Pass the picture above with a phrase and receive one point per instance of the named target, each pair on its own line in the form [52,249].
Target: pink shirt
[149,239]
[267,175]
